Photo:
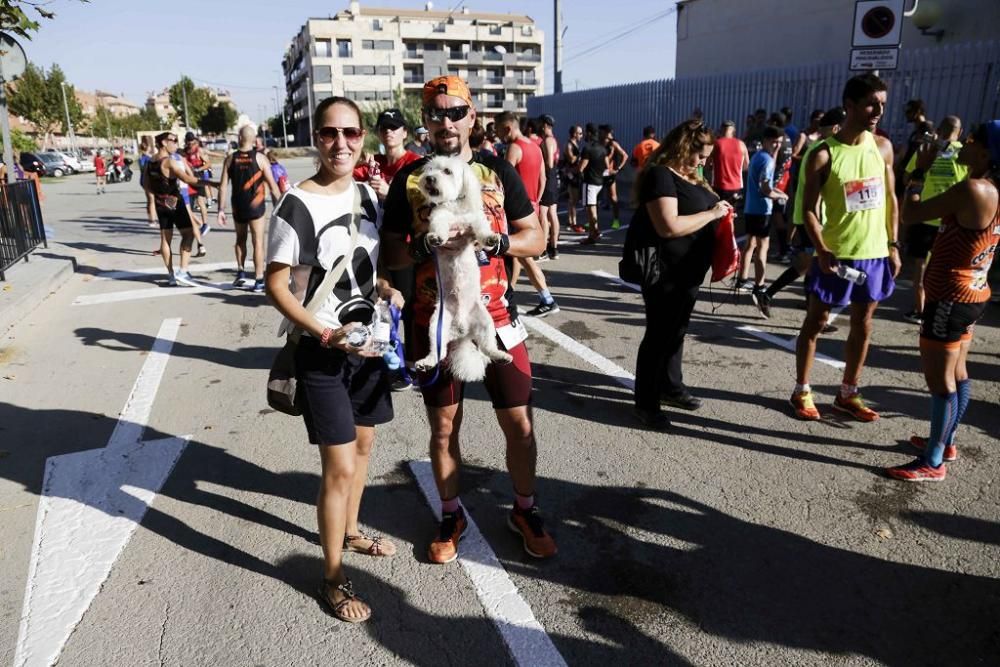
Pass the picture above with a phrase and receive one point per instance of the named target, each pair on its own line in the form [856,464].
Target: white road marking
[606,366]
[91,503]
[156,293]
[525,637]
[789,344]
[161,271]
[786,343]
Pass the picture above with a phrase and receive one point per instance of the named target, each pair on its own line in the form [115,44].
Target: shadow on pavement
[257,358]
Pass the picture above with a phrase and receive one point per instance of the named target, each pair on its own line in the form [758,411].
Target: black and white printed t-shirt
[312,232]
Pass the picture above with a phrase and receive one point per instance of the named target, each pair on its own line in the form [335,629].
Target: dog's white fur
[453,188]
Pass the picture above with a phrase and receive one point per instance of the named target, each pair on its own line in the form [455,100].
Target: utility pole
[309,110]
[281,109]
[557,86]
[69,123]
[184,96]
[8,150]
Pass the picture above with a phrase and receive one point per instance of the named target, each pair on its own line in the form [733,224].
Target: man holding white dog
[449,115]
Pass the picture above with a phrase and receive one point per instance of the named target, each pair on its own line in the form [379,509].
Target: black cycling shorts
[947,324]
[919,239]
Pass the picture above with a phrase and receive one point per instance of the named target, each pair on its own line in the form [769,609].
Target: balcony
[494,81]
[510,105]
[456,55]
[529,57]
[475,81]
[413,79]
[475,58]
[413,54]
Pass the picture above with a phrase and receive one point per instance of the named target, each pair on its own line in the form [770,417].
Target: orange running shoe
[805,409]
[950,451]
[444,547]
[918,471]
[528,524]
[855,406]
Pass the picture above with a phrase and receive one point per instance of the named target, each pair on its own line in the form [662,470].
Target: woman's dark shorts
[340,391]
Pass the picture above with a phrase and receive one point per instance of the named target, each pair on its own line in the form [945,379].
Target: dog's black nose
[430,179]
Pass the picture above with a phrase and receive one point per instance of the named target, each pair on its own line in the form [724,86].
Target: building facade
[365,54]
[725,36]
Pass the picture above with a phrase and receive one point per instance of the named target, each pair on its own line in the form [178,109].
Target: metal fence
[21,228]
[959,79]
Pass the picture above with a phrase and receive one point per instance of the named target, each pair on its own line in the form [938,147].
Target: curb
[32,282]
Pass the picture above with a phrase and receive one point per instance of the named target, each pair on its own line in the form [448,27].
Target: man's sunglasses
[173,139]
[329,134]
[454,114]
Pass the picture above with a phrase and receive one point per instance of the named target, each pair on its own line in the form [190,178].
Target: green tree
[198,101]
[218,118]
[20,141]
[38,96]
[13,17]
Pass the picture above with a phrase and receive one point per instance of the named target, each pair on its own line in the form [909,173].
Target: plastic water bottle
[381,328]
[850,274]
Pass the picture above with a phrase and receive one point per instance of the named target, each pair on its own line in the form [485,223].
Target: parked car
[30,162]
[217,145]
[54,164]
[87,165]
[72,162]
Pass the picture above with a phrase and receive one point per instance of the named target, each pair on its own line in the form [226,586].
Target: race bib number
[864,194]
[511,335]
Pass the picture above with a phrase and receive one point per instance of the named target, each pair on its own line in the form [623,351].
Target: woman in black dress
[678,211]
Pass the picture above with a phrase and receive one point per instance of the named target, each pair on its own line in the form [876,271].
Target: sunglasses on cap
[454,114]
[329,134]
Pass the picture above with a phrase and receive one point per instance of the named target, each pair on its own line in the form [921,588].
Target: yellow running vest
[855,198]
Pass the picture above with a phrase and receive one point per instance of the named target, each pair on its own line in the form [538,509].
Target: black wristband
[917,174]
[419,250]
[896,244]
[501,248]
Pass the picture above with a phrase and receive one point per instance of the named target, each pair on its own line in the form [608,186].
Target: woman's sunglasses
[328,135]
[454,114]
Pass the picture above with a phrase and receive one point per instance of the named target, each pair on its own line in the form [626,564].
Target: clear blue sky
[138,46]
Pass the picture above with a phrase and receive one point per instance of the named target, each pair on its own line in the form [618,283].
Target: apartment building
[365,54]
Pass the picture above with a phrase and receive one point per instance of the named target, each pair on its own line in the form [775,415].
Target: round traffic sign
[878,22]
[12,59]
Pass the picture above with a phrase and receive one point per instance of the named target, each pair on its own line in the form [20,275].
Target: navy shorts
[835,291]
[758,225]
[340,391]
[919,239]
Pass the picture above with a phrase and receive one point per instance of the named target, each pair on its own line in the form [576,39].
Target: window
[385,95]
[494,100]
[527,30]
[368,70]
[321,48]
[322,74]
[344,49]
[377,44]
[385,69]
[495,29]
[348,70]
[377,25]
[360,95]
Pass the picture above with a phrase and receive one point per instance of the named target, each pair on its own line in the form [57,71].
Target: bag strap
[333,276]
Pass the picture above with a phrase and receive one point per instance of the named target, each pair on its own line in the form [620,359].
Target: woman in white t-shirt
[346,389]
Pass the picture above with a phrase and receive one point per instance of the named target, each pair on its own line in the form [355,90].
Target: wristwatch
[896,244]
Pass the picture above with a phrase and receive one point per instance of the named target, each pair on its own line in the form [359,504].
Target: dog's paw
[502,357]
[435,240]
[490,240]
[425,364]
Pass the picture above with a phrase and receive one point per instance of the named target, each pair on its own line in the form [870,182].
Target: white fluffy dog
[453,188]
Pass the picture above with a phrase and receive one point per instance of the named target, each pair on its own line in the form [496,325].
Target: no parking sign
[878,25]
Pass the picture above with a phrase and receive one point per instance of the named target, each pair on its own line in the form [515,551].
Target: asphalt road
[742,537]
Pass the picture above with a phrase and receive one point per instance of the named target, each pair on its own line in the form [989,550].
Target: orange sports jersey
[643,150]
[406,212]
[960,259]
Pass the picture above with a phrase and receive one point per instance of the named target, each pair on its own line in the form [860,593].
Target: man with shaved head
[247,169]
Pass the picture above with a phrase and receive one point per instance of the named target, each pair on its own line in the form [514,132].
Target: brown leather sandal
[337,608]
[376,548]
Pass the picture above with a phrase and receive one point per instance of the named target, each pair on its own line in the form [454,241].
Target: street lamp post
[284,130]
[69,123]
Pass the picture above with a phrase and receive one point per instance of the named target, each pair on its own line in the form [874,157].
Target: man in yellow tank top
[857,251]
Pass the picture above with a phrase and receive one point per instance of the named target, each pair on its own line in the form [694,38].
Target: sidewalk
[29,283]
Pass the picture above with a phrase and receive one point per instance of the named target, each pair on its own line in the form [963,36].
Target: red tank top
[960,261]
[727,164]
[530,167]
